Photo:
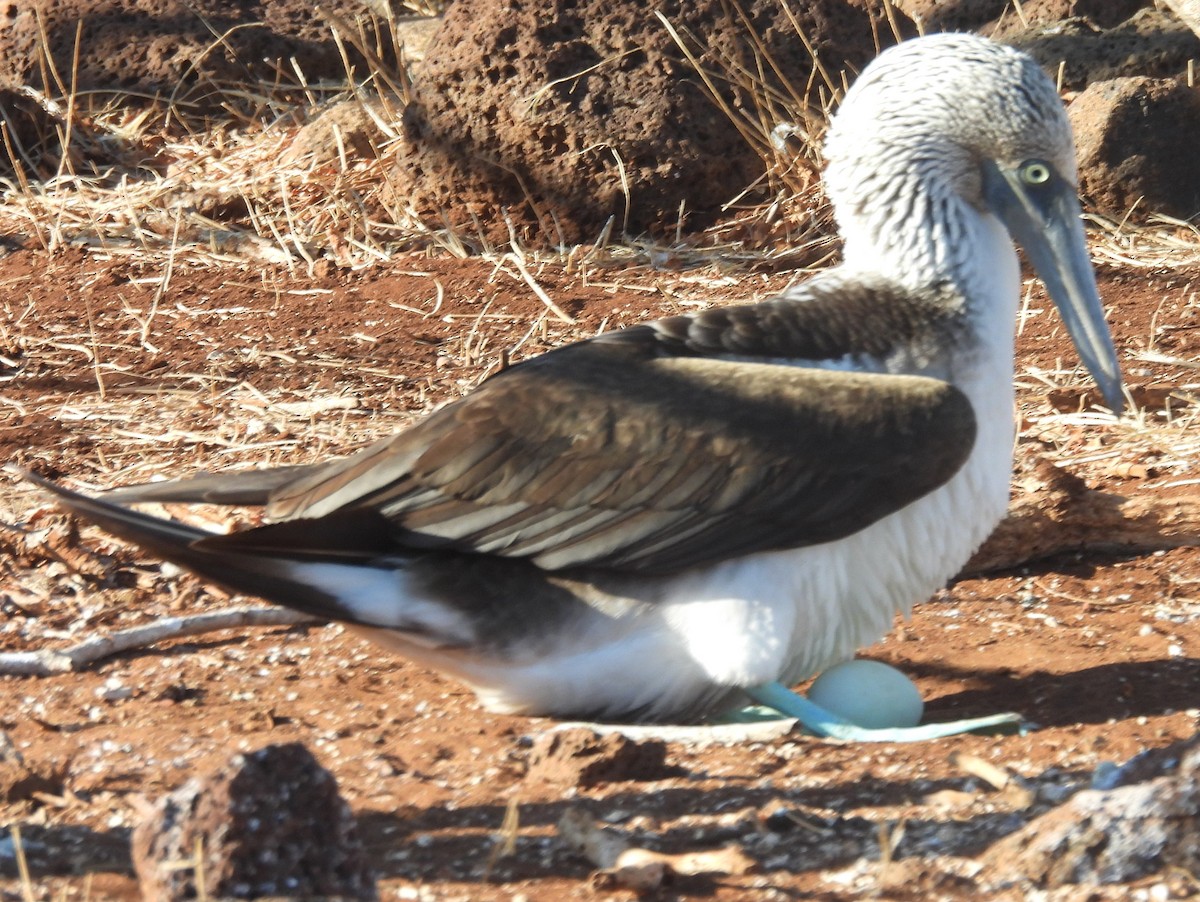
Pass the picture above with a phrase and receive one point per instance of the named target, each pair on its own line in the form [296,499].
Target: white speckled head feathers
[931,110]
[961,90]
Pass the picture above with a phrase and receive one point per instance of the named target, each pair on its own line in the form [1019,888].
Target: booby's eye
[1035,173]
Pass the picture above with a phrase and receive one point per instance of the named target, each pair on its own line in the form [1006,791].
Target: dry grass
[1157,437]
[244,190]
[1161,243]
[225,192]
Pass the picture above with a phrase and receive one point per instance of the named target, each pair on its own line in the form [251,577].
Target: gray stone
[1107,836]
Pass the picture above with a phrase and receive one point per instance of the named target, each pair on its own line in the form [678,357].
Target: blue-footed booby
[657,522]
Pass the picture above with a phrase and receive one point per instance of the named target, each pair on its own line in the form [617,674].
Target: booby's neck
[910,209]
[902,218]
[936,243]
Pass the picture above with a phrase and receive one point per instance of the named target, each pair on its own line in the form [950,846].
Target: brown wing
[612,454]
[653,449]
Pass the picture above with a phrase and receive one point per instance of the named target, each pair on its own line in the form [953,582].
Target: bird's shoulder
[833,316]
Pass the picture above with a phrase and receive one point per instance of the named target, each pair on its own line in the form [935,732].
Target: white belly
[775,616]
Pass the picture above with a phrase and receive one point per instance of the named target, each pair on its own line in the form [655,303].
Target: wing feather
[689,460]
[656,449]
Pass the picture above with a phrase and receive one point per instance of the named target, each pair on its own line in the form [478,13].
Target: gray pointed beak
[1042,214]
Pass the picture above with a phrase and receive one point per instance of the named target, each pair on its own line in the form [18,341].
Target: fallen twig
[641,869]
[47,662]
[537,289]
[999,778]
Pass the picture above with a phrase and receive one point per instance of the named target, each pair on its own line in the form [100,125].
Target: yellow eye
[1035,173]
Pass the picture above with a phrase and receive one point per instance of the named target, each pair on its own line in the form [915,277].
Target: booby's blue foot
[821,722]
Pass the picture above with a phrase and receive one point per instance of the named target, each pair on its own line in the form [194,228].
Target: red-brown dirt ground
[105,378]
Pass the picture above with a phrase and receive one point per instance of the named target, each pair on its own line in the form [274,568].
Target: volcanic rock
[194,57]
[564,115]
[1137,140]
[270,823]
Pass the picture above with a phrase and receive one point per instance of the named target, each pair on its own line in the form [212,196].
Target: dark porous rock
[562,115]
[1106,836]
[195,57]
[270,823]
[1137,140]
[1149,43]
[581,757]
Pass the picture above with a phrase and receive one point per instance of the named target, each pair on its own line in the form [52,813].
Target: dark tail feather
[249,488]
[271,577]
[165,537]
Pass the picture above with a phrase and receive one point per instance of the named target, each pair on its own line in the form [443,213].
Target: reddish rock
[345,127]
[562,115]
[966,15]
[1150,43]
[997,17]
[1137,140]
[1101,13]
[270,823]
[581,758]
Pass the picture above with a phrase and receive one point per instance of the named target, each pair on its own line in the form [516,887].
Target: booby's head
[941,131]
